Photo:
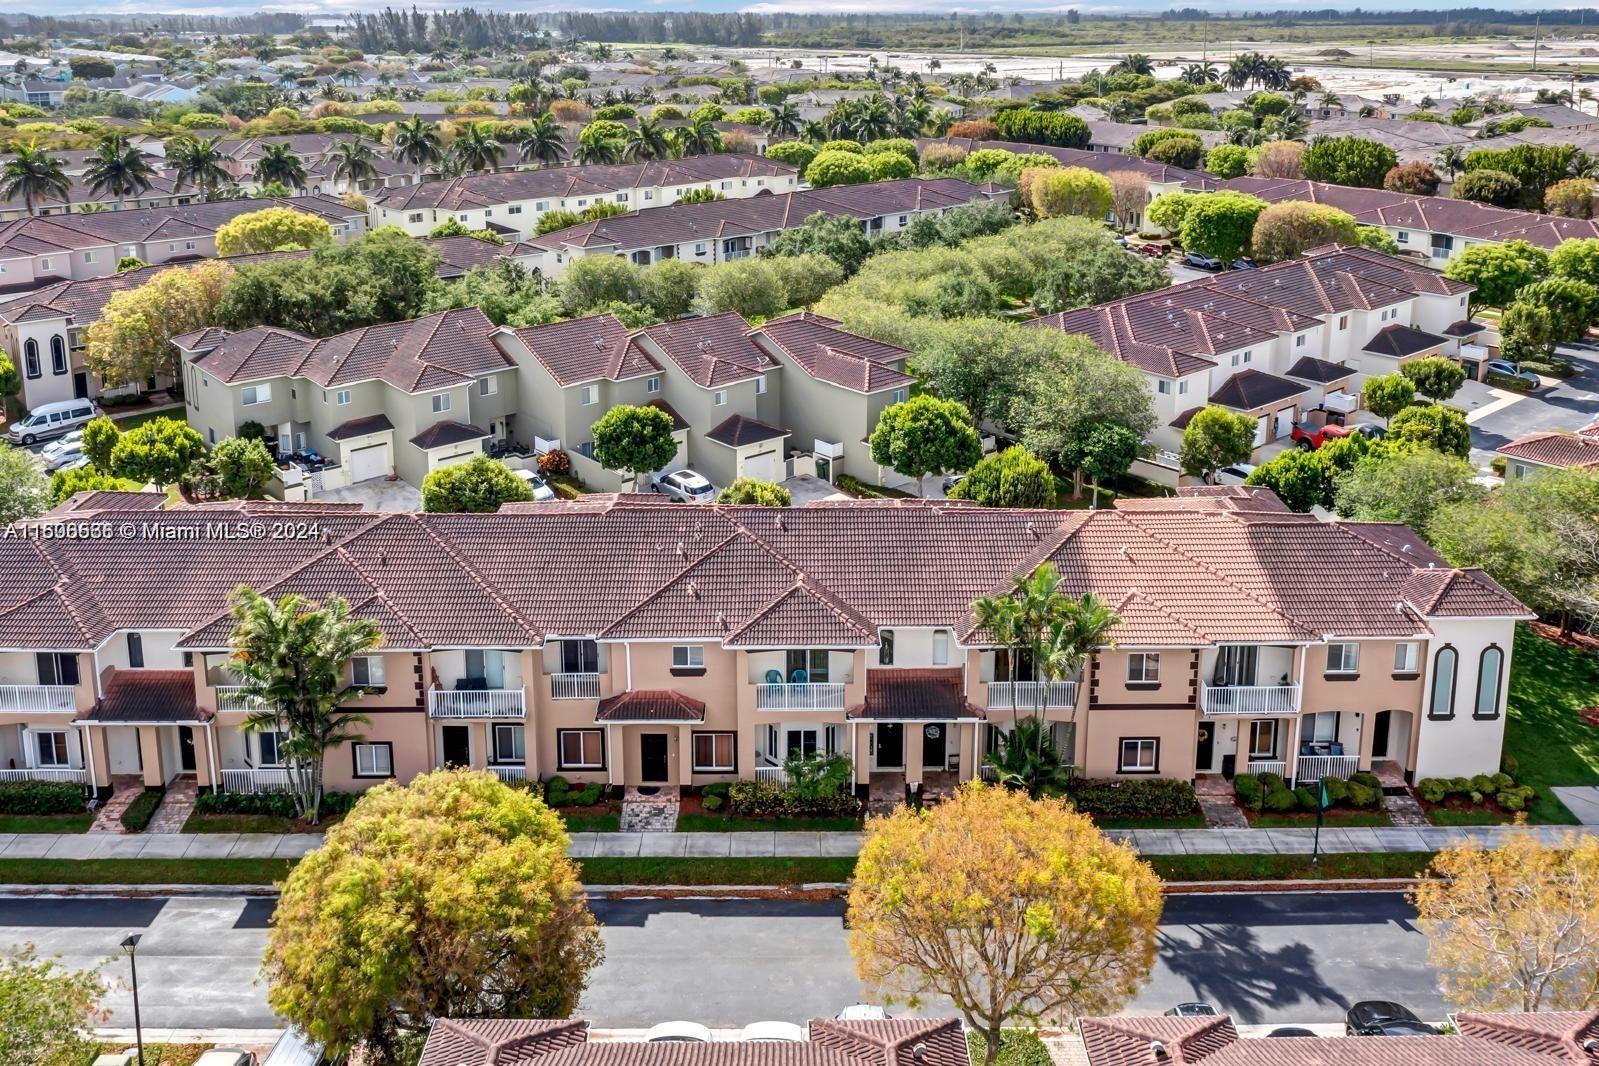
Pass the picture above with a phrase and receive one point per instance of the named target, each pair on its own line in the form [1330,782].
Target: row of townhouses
[629,641]
[410,397]
[1297,336]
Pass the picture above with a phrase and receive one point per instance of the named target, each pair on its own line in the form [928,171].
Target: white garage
[447,443]
[757,447]
[763,466]
[370,462]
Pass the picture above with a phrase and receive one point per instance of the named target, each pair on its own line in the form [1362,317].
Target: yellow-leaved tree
[1514,928]
[273,229]
[450,897]
[1015,909]
[132,340]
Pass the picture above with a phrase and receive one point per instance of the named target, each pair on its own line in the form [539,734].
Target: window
[270,745]
[1405,658]
[1489,670]
[135,651]
[441,402]
[590,395]
[580,749]
[803,742]
[57,668]
[699,248]
[719,398]
[88,257]
[1182,388]
[1163,386]
[1319,728]
[58,355]
[904,219]
[653,385]
[1299,341]
[1402,237]
[30,357]
[885,648]
[342,397]
[899,396]
[542,205]
[1343,321]
[940,647]
[1343,658]
[464,217]
[805,665]
[580,657]
[1235,360]
[1263,739]
[374,760]
[414,216]
[514,209]
[44,264]
[211,435]
[760,386]
[688,657]
[367,670]
[510,743]
[621,197]
[1248,356]
[1140,755]
[715,753]
[488,386]
[254,394]
[1444,664]
[50,747]
[1143,668]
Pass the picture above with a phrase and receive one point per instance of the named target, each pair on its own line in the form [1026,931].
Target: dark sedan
[1376,1017]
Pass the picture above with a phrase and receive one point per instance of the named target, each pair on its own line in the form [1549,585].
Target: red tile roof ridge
[802,586]
[489,590]
[736,533]
[56,592]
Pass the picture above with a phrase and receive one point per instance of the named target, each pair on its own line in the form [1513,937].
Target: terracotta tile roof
[442,434]
[1251,389]
[1399,341]
[934,694]
[1458,594]
[1129,1041]
[736,431]
[498,1041]
[1463,328]
[1554,448]
[712,351]
[357,427]
[1241,498]
[586,349]
[1560,1035]
[1322,372]
[679,423]
[650,705]
[823,349]
[111,500]
[147,696]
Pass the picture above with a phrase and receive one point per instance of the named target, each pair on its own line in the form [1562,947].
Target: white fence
[232,698]
[1268,766]
[808,696]
[774,775]
[36,698]
[1025,695]
[257,781]
[575,686]
[477,703]
[1250,699]
[1316,767]
[511,775]
[44,773]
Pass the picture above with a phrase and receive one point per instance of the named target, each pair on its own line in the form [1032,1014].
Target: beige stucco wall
[1100,733]
[1375,687]
[1178,680]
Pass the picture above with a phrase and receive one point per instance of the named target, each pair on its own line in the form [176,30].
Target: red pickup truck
[1311,437]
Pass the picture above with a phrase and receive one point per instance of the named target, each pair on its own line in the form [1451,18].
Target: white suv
[686,486]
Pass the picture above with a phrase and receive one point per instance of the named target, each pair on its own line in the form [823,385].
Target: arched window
[58,355]
[1444,668]
[1490,669]
[30,357]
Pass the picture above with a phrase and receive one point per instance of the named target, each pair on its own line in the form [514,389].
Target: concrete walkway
[1580,800]
[155,846]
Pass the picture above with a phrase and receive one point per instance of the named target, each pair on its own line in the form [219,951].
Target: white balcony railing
[1316,767]
[232,698]
[807,696]
[477,703]
[44,773]
[511,775]
[1249,699]
[37,698]
[1268,766]
[575,686]
[1025,695]
[774,775]
[256,781]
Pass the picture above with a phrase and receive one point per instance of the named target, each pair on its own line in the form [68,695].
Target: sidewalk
[770,845]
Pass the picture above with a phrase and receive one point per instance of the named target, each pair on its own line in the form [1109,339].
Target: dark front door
[80,385]
[935,741]
[891,745]
[457,745]
[1205,747]
[1381,724]
[652,758]
[186,748]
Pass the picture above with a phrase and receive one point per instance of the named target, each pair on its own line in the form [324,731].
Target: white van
[51,420]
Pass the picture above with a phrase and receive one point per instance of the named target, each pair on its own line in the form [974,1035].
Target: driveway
[1498,416]
[807,489]
[377,495]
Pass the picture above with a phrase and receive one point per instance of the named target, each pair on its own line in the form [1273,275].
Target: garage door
[370,462]
[451,460]
[764,467]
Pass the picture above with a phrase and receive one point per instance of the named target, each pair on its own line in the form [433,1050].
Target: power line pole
[1537,34]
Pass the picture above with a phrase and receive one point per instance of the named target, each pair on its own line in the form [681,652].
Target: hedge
[1017,1047]
[558,792]
[1270,792]
[1155,797]
[1042,127]
[40,797]
[762,799]
[1501,787]
[140,811]
[280,804]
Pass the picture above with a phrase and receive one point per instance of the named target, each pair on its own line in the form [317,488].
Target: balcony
[575,686]
[476,703]
[255,782]
[44,773]
[1026,695]
[1316,767]
[37,698]
[1257,701]
[232,698]
[800,696]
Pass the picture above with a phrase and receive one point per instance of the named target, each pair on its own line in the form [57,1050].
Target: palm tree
[1330,100]
[598,151]
[1133,63]
[649,140]
[33,174]
[1199,73]
[782,120]
[1451,158]
[1237,75]
[417,143]
[197,162]
[1028,759]
[278,163]
[354,162]
[476,149]
[542,141]
[118,168]
[290,658]
[698,138]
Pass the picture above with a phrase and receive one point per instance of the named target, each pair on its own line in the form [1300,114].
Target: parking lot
[1498,416]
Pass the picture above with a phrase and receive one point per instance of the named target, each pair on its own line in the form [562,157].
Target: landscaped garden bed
[262,812]
[709,811]
[1269,803]
[584,808]
[1481,800]
[42,807]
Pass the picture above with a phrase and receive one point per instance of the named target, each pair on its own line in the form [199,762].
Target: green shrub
[1505,381]
[582,796]
[140,811]
[1153,797]
[1017,1047]
[1307,798]
[755,799]
[40,797]
[720,789]
[1272,782]
[1511,801]
[1364,796]
[712,803]
[1433,789]
[1503,781]
[1337,791]
[1459,786]
[280,804]
[1249,790]
[1367,778]
[1281,800]
[1484,784]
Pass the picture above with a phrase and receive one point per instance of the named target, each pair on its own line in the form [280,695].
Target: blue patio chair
[774,677]
[1335,748]
[798,677]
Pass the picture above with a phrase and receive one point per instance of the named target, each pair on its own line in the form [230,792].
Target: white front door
[369,462]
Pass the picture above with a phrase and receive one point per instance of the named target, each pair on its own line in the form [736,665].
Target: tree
[355,162]
[131,341]
[833,167]
[1298,477]
[597,280]
[65,483]
[634,440]
[1417,179]
[748,490]
[1377,239]
[839,237]
[1433,425]
[1184,152]
[478,486]
[197,161]
[1216,437]
[1387,395]
[10,386]
[1012,908]
[1348,161]
[1514,927]
[243,466]
[49,1010]
[804,279]
[33,174]
[24,490]
[100,438]
[1014,477]
[1071,191]
[1289,229]
[1577,259]
[1534,166]
[1435,377]
[91,67]
[450,897]
[1489,187]
[1572,305]
[270,230]
[797,153]
[1278,159]
[668,287]
[278,164]
[1571,198]
[1101,452]
[1407,485]
[926,435]
[157,451]
[753,288]
[1220,224]
[1528,331]
[290,657]
[1498,270]
[417,143]
[118,168]
[1096,273]
[1227,161]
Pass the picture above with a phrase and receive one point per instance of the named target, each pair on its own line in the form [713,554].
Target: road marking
[1505,399]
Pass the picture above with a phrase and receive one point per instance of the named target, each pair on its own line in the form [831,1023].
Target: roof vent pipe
[1157,1049]
[919,1053]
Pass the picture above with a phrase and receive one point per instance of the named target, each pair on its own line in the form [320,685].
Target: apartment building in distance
[629,641]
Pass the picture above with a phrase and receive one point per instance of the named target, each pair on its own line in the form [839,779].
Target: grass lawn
[592,823]
[45,823]
[143,871]
[1546,741]
[1439,816]
[1195,820]
[238,823]
[143,415]
[1307,819]
[652,871]
[1288,867]
[718,823]
[154,1054]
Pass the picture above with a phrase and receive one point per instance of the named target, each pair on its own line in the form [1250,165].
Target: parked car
[1245,264]
[52,420]
[1368,429]
[1290,1030]
[1311,437]
[59,452]
[678,1033]
[772,1033]
[951,481]
[686,486]
[1201,262]
[1193,1010]
[1157,250]
[1510,370]
[541,490]
[1379,1017]
[862,1012]
[1234,475]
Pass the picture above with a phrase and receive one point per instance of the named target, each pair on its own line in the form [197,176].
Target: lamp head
[130,942]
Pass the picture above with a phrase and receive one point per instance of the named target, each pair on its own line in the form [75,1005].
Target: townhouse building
[512,202]
[1297,336]
[1533,453]
[718,231]
[629,641]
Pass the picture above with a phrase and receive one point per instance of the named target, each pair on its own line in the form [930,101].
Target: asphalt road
[1264,958]
[1570,404]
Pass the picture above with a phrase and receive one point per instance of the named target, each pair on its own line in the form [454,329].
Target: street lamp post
[130,944]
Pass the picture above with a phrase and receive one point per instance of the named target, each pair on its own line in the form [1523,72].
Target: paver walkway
[652,811]
[1215,795]
[1403,810]
[176,806]
[124,790]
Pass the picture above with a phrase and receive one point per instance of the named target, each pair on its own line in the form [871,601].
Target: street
[1292,957]
[1569,405]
